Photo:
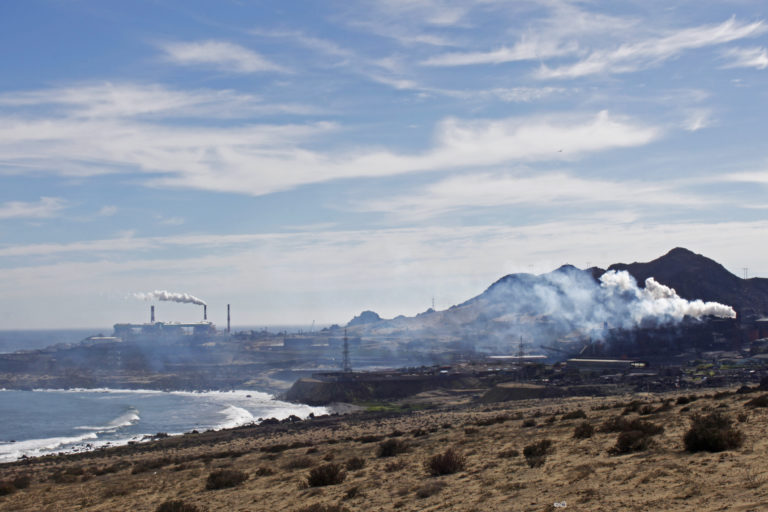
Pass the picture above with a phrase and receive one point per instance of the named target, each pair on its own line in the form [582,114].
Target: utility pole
[346,366]
[746,272]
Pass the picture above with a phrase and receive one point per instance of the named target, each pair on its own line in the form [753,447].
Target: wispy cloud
[524,50]
[221,55]
[755,57]
[107,99]
[263,158]
[45,208]
[108,211]
[635,56]
[470,192]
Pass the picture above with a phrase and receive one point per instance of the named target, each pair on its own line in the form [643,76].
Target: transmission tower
[346,366]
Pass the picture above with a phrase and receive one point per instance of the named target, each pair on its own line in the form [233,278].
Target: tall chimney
[205,312]
[152,314]
[228,326]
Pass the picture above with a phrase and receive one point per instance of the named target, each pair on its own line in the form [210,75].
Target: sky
[307,160]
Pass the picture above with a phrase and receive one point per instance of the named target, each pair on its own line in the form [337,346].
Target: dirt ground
[574,474]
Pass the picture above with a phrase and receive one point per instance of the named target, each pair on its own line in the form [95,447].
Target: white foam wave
[236,416]
[126,419]
[34,447]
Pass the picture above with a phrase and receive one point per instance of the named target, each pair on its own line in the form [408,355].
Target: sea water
[40,422]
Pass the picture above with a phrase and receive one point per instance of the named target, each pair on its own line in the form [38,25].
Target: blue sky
[308,160]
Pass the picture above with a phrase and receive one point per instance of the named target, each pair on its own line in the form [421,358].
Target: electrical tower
[346,366]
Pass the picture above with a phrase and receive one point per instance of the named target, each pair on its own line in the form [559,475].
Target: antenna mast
[346,366]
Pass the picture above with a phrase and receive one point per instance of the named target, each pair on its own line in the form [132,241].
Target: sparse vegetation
[583,430]
[319,507]
[509,453]
[264,471]
[224,478]
[446,463]
[536,453]
[327,474]
[621,424]
[712,433]
[301,462]
[530,422]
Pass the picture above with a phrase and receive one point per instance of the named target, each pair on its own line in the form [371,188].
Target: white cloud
[402,268]
[105,100]
[45,208]
[219,54]
[524,50]
[469,192]
[756,57]
[108,211]
[634,56]
[260,159]
[698,119]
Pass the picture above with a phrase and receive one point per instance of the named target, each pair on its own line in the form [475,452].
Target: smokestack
[152,314]
[228,326]
[205,312]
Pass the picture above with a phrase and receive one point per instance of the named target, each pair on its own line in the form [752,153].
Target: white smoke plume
[657,301]
[170,297]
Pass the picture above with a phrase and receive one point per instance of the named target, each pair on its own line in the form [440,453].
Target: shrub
[631,441]
[355,463]
[492,420]
[583,430]
[264,471]
[327,474]
[395,465]
[530,422]
[21,481]
[391,447]
[683,400]
[759,401]
[536,453]
[646,409]
[369,439]
[574,415]
[176,506]
[6,488]
[445,464]
[620,424]
[224,478]
[712,433]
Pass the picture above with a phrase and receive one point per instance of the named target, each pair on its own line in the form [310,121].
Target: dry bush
[430,489]
[224,478]
[536,453]
[631,441]
[759,401]
[6,488]
[327,474]
[484,422]
[355,463]
[369,439]
[391,447]
[583,430]
[742,417]
[21,481]
[620,424]
[574,415]
[301,462]
[352,492]
[177,506]
[530,422]
[446,463]
[148,465]
[683,400]
[712,433]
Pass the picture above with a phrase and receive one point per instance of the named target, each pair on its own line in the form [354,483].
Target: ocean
[50,421]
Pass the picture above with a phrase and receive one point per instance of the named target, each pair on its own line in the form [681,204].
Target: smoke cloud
[657,301]
[165,295]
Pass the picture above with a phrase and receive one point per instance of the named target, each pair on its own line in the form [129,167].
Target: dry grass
[497,477]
